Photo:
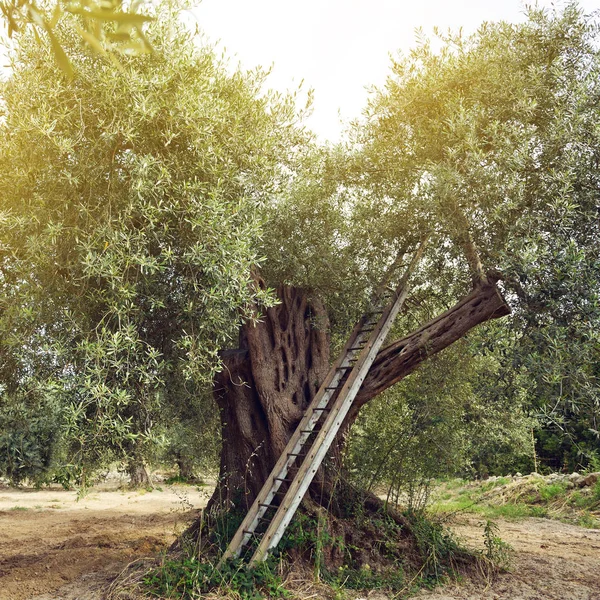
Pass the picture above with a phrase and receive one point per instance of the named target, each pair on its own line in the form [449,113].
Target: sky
[339,47]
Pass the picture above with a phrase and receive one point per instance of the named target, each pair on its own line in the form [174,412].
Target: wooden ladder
[328,409]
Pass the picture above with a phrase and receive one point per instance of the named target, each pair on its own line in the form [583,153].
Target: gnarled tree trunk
[185,467]
[138,474]
[268,382]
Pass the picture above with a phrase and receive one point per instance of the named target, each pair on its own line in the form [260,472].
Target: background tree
[132,209]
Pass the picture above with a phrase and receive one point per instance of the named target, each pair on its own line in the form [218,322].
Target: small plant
[175,479]
[188,578]
[307,533]
[497,551]
[367,578]
[551,491]
[596,491]
[490,485]
[437,546]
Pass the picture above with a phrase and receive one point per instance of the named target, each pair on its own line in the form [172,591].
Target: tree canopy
[490,145]
[485,143]
[138,201]
[131,217]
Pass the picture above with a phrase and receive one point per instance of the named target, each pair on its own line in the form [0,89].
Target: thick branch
[402,357]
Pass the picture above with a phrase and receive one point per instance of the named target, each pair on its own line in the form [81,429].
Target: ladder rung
[309,431]
[323,409]
[356,348]
[266,505]
[283,479]
[332,388]
[250,532]
[343,368]
[295,454]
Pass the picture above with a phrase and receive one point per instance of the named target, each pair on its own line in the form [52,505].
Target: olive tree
[487,147]
[132,207]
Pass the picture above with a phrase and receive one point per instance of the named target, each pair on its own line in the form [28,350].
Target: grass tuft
[520,498]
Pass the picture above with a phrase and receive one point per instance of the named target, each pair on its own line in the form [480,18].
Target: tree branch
[396,361]
[470,249]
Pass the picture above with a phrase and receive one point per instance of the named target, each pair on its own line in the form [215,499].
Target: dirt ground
[551,561]
[53,547]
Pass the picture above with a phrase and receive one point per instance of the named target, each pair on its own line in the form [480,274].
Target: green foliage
[491,143]
[497,551]
[31,443]
[388,569]
[177,479]
[482,141]
[188,578]
[439,550]
[529,497]
[439,422]
[367,578]
[192,433]
[131,213]
[596,493]
[305,532]
[551,491]
[106,26]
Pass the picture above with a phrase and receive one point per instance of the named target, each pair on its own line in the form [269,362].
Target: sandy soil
[53,547]
[551,561]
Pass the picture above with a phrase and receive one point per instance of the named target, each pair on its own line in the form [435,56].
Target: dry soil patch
[63,549]
[552,561]
[55,547]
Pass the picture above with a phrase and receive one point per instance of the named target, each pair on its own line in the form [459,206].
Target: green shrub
[439,549]
[30,441]
[188,578]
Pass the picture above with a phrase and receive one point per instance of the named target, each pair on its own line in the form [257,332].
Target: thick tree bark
[400,358]
[264,389]
[268,382]
[138,474]
[185,467]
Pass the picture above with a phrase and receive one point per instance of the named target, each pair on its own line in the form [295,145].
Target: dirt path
[552,561]
[53,547]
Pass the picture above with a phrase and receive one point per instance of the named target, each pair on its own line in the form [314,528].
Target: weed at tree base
[188,577]
[309,539]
